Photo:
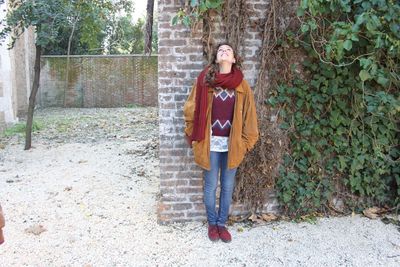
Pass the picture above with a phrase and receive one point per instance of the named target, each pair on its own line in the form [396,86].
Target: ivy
[343,118]
[196,11]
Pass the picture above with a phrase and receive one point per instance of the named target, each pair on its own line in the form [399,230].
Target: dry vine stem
[258,172]
[235,17]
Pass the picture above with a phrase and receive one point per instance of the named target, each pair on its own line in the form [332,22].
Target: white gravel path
[97,202]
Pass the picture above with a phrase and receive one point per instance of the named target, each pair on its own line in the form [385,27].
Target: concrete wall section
[7,94]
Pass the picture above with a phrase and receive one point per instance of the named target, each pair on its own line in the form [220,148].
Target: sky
[140,8]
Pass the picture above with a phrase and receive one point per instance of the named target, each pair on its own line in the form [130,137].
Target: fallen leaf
[372,212]
[255,218]
[269,217]
[82,161]
[68,188]
[35,229]
[234,218]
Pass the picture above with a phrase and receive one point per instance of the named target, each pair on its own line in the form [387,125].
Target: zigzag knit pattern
[220,125]
[223,94]
[222,111]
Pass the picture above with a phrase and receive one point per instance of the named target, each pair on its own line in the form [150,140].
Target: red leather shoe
[224,234]
[213,233]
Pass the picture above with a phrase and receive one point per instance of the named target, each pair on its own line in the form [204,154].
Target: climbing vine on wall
[343,119]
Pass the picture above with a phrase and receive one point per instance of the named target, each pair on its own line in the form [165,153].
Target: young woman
[221,126]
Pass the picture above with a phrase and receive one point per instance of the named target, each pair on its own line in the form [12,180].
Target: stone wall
[98,81]
[7,114]
[11,61]
[180,61]
[23,61]
[16,69]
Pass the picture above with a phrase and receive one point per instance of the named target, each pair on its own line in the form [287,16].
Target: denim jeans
[218,162]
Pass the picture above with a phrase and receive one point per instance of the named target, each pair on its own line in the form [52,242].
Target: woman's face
[225,54]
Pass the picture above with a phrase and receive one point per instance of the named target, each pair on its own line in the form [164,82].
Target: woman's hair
[213,67]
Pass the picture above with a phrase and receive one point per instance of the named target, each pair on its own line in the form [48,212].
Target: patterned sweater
[221,118]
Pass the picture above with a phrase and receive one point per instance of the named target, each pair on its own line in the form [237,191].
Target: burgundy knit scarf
[229,80]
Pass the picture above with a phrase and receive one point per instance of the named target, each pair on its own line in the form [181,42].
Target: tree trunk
[32,98]
[149,27]
[68,59]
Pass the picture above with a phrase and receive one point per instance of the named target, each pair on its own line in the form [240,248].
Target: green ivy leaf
[348,44]
[193,3]
[304,28]
[364,75]
[382,80]
[186,21]
[300,12]
[175,20]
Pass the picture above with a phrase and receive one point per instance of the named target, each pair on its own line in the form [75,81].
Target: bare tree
[149,27]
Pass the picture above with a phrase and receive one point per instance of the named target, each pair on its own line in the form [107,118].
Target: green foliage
[196,11]
[128,37]
[99,28]
[46,16]
[343,119]
[89,23]
[19,128]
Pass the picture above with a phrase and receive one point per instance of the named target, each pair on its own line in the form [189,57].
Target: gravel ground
[86,195]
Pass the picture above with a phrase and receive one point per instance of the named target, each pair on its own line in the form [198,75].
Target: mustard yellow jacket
[244,130]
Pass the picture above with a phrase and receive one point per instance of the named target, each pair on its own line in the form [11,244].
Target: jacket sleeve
[250,132]
[188,111]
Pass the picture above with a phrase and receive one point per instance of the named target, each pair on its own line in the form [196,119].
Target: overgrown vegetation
[20,128]
[343,118]
[328,104]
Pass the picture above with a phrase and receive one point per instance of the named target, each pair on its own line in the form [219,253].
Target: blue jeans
[218,162]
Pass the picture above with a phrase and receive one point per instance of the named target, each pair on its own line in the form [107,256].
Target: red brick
[182,206]
[196,182]
[188,190]
[199,206]
[196,214]
[191,66]
[196,198]
[188,50]
[172,198]
[169,43]
[174,183]
[196,173]
[163,207]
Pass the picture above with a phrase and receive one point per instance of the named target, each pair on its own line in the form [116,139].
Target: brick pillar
[180,61]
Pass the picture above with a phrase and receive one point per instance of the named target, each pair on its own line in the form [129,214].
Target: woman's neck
[225,67]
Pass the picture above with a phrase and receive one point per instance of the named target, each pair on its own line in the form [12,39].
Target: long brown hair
[213,67]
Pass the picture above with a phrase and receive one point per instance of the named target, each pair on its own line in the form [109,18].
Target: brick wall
[98,81]
[180,61]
